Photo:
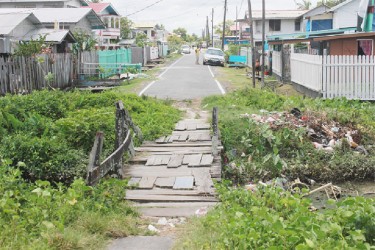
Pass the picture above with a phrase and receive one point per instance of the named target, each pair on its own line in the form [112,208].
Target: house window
[365,47]
[275,25]
[297,25]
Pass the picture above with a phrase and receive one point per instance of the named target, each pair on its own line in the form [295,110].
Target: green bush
[40,216]
[274,219]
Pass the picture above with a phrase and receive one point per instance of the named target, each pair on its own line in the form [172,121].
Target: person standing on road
[197,52]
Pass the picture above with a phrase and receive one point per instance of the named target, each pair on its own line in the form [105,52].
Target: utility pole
[251,41]
[263,37]
[212,28]
[225,17]
[208,32]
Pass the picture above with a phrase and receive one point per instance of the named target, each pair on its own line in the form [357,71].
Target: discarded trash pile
[325,135]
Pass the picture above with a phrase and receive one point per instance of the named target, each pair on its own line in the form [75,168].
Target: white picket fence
[352,77]
[306,70]
[276,63]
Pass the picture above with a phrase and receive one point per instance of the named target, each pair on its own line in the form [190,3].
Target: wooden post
[120,124]
[94,160]
[251,41]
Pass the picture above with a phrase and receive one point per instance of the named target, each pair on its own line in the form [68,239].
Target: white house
[345,15]
[147,28]
[42,3]
[112,20]
[277,22]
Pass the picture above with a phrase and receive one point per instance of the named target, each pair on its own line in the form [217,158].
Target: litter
[153,229]
[325,135]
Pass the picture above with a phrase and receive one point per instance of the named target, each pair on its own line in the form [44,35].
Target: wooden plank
[206,160]
[203,126]
[184,182]
[187,159]
[158,160]
[134,181]
[183,137]
[167,139]
[163,191]
[175,161]
[160,140]
[192,126]
[178,144]
[165,182]
[203,181]
[147,182]
[165,159]
[165,198]
[151,160]
[174,138]
[180,127]
[195,160]
[194,137]
[172,149]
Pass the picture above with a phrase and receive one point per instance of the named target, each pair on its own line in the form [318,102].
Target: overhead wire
[145,8]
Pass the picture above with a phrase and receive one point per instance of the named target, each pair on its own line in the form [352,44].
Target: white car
[214,56]
[185,49]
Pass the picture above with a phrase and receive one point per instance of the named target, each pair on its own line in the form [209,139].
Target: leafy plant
[32,47]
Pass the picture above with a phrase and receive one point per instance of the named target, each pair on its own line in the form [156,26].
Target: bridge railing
[123,143]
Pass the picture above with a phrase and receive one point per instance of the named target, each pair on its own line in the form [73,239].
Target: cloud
[191,14]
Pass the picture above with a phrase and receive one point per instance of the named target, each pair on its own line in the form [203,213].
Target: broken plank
[206,160]
[175,161]
[194,137]
[186,159]
[165,182]
[147,182]
[185,182]
[195,160]
[203,181]
[158,171]
[167,139]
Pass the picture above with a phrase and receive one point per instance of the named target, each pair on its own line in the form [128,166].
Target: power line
[145,8]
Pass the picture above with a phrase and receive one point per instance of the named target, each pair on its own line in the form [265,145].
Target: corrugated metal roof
[9,21]
[55,36]
[278,14]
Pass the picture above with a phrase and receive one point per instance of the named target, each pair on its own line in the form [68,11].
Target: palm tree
[303,5]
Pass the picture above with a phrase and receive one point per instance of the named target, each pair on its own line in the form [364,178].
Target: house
[361,44]
[147,28]
[25,27]
[13,26]
[112,20]
[277,22]
[318,18]
[345,15]
[42,3]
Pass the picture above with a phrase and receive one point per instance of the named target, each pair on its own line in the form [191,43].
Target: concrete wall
[286,27]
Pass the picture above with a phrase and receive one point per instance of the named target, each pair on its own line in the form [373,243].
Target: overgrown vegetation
[40,216]
[53,132]
[271,218]
[265,153]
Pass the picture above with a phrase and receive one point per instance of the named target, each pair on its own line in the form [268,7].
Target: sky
[191,14]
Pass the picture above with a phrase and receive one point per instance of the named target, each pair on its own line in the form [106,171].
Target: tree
[174,42]
[329,3]
[303,5]
[125,29]
[159,27]
[141,39]
[182,32]
[32,47]
[219,28]
[84,41]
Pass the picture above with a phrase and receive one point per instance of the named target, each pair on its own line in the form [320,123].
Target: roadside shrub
[271,218]
[45,158]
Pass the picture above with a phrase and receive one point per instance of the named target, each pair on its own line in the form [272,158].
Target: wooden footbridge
[174,175]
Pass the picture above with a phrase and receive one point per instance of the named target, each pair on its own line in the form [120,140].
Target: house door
[285,57]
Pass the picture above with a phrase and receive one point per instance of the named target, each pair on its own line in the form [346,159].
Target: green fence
[112,62]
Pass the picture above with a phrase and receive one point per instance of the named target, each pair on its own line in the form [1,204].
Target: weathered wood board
[147,182]
[165,182]
[195,160]
[206,160]
[175,161]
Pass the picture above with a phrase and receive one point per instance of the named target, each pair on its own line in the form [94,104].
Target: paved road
[184,80]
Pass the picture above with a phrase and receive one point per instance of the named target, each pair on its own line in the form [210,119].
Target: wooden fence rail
[26,74]
[123,142]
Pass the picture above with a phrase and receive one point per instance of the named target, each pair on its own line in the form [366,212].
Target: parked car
[185,49]
[214,56]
